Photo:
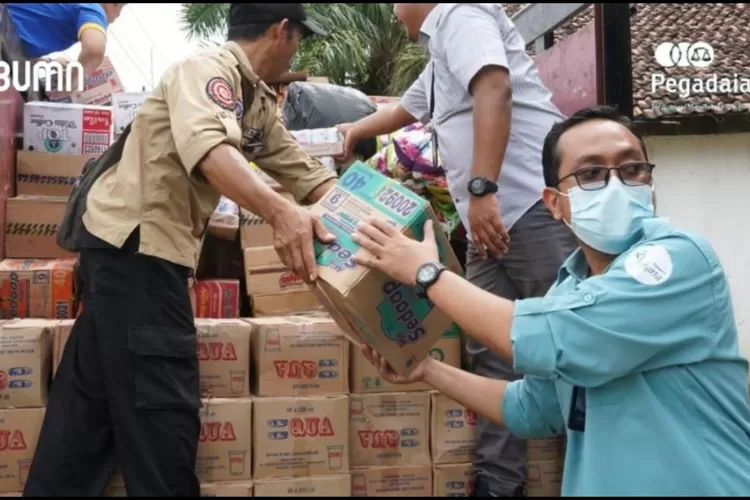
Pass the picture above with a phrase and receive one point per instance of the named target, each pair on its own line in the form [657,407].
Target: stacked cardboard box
[545,466]
[274,289]
[25,364]
[300,423]
[403,437]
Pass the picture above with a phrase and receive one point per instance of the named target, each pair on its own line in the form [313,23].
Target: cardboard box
[299,356]
[304,436]
[544,449]
[318,486]
[31,225]
[397,320]
[452,480]
[266,275]
[218,299]
[25,362]
[73,129]
[98,87]
[365,378]
[224,357]
[125,106]
[19,434]
[454,431]
[225,440]
[320,141]
[394,481]
[285,303]
[37,288]
[544,479]
[390,429]
[235,489]
[62,333]
[254,230]
[45,174]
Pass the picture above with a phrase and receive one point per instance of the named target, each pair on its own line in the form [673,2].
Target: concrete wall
[703,184]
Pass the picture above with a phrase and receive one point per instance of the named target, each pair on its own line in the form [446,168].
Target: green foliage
[366,48]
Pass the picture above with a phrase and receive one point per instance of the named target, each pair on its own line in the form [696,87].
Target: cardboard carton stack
[25,365]
[273,288]
[300,422]
[545,466]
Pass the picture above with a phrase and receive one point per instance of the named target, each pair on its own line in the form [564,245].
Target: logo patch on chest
[221,93]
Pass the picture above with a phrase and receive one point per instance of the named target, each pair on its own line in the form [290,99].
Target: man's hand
[487,231]
[294,229]
[350,139]
[387,373]
[392,252]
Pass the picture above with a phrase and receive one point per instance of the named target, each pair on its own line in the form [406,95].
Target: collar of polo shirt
[430,24]
[245,67]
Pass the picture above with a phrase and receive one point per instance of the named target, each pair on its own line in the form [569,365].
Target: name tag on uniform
[253,140]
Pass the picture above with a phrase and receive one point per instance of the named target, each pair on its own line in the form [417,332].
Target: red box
[218,299]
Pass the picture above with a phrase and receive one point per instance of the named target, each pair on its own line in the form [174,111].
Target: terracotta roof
[725,27]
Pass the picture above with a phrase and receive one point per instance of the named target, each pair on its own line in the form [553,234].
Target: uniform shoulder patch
[220,92]
[649,264]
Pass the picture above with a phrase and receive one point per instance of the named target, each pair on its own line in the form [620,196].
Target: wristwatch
[480,186]
[428,274]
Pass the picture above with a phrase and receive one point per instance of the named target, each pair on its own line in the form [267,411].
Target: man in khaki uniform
[127,390]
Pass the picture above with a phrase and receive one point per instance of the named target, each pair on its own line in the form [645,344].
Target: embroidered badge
[252,140]
[219,91]
[239,109]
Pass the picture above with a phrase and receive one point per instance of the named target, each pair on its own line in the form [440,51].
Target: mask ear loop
[560,193]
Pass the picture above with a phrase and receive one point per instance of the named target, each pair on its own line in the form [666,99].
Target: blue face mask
[610,219]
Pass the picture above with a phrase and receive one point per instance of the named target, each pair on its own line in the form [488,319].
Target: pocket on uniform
[165,368]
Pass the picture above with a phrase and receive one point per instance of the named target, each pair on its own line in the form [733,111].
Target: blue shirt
[45,28]
[653,344]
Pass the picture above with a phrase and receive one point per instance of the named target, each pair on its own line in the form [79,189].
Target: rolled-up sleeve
[200,95]
[285,161]
[655,307]
[414,100]
[531,409]
[471,40]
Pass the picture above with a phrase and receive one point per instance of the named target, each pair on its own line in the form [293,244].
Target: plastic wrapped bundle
[323,105]
[225,221]
[406,155]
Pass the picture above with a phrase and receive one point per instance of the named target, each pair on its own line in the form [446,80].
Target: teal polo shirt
[651,345]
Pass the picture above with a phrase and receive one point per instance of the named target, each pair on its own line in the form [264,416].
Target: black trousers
[483,488]
[127,390]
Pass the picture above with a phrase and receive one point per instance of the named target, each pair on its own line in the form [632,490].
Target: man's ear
[551,198]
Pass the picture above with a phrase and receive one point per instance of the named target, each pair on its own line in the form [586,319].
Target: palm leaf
[366,48]
[204,20]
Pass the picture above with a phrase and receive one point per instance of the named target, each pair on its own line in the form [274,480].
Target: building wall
[703,184]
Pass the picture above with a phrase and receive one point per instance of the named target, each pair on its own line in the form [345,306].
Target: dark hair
[550,154]
[253,31]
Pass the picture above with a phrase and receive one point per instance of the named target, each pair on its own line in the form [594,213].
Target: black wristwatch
[428,274]
[480,186]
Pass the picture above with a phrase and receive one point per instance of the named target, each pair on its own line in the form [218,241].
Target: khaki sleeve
[285,161]
[202,108]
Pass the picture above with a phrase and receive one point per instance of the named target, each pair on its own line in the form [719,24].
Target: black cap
[253,13]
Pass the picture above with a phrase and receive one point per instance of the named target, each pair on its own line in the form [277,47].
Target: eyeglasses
[597,177]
